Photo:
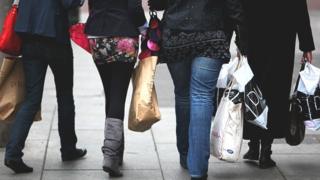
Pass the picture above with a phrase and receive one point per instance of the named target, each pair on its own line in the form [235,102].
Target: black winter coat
[115,18]
[273,27]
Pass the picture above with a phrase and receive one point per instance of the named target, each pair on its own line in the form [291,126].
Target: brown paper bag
[12,89]
[144,109]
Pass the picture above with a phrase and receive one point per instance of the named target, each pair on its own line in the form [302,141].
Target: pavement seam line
[47,144]
[281,173]
[157,152]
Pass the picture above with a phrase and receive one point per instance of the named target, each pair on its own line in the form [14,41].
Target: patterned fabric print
[106,50]
[178,45]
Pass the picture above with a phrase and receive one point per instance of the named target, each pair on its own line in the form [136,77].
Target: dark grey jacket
[47,18]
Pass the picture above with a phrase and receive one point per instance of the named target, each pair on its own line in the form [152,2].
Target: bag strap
[233,81]
[297,83]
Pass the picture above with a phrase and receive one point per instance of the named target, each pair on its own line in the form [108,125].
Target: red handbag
[10,42]
[78,36]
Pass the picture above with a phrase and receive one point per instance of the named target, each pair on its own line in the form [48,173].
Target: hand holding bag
[10,42]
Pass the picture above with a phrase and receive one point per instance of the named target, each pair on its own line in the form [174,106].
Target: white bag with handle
[227,129]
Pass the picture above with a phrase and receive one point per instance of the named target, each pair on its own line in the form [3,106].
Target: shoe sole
[111,172]
[76,158]
[267,167]
[251,159]
[19,172]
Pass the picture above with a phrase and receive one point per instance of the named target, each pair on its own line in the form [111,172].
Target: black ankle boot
[74,155]
[18,166]
[254,148]
[265,160]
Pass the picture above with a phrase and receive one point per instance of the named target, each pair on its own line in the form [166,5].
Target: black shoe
[112,172]
[253,153]
[265,160]
[74,155]
[200,178]
[18,166]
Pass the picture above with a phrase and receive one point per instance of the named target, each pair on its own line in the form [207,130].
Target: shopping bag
[12,89]
[10,42]
[309,79]
[227,129]
[78,36]
[255,107]
[224,78]
[308,93]
[296,129]
[144,109]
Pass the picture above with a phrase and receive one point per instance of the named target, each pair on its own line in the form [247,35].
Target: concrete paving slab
[303,166]
[139,153]
[165,130]
[34,156]
[241,171]
[98,175]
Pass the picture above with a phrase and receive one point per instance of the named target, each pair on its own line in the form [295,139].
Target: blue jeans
[180,73]
[199,78]
[38,54]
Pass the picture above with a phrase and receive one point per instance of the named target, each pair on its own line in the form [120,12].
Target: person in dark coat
[113,28]
[43,27]
[273,27]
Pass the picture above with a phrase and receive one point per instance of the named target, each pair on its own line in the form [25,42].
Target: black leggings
[115,77]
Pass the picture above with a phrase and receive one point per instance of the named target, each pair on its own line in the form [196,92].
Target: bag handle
[231,83]
[297,83]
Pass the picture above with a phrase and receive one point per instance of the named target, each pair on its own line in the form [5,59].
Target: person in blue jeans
[43,27]
[194,46]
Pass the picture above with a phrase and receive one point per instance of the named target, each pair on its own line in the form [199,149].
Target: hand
[307,56]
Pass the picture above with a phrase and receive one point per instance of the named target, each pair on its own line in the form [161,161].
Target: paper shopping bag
[144,109]
[12,88]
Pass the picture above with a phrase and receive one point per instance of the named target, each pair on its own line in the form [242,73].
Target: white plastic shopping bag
[309,79]
[226,72]
[308,94]
[227,130]
[242,75]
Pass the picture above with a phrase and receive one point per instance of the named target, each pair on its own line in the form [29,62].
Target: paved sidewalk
[151,155]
